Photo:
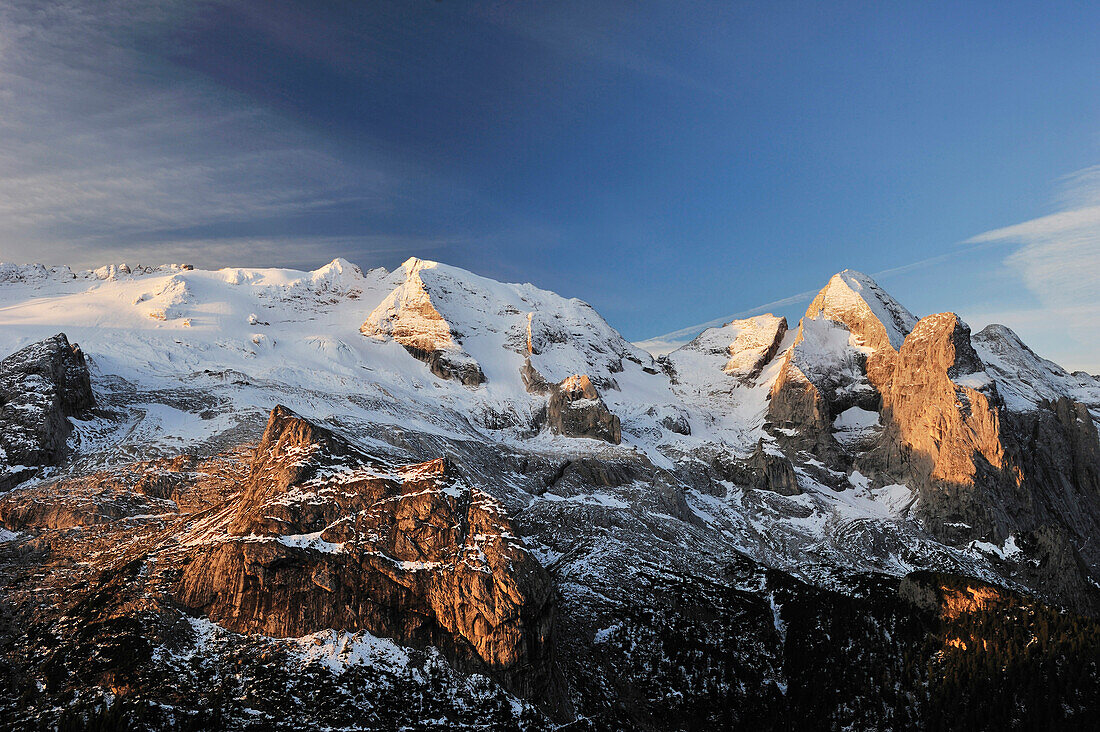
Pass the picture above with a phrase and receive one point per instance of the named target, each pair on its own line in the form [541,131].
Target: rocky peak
[325,537]
[338,276]
[475,329]
[41,386]
[942,405]
[409,316]
[1025,379]
[844,356]
[293,446]
[944,339]
[293,452]
[874,317]
[746,345]
[576,409]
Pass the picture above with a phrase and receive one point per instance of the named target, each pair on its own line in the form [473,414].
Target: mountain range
[424,499]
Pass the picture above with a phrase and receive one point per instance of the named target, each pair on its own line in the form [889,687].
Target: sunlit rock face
[575,409]
[843,356]
[323,536]
[877,322]
[408,316]
[980,468]
[725,541]
[41,386]
[746,346]
[941,405]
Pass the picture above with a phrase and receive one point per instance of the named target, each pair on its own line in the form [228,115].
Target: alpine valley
[266,499]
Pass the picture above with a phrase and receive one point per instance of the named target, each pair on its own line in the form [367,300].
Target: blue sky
[671,163]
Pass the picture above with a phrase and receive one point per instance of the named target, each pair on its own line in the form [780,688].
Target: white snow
[594,499]
[851,291]
[339,650]
[1009,550]
[258,337]
[604,633]
[855,418]
[897,498]
[1024,379]
[310,541]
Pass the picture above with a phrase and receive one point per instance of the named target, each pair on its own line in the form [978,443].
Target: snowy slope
[856,300]
[191,358]
[1024,378]
[254,337]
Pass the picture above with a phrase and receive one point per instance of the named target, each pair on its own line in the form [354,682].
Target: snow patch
[338,650]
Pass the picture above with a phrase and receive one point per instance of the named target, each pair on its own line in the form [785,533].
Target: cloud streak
[1056,257]
[1058,261]
[101,141]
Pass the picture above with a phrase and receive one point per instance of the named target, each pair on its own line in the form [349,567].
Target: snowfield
[191,359]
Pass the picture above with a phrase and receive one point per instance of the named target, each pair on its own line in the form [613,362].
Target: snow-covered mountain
[641,542]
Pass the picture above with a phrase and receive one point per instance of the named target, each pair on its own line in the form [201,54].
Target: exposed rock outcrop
[877,321]
[921,408]
[41,386]
[746,345]
[764,470]
[576,409]
[983,471]
[756,344]
[691,589]
[952,597]
[844,356]
[408,316]
[942,410]
[1026,380]
[324,536]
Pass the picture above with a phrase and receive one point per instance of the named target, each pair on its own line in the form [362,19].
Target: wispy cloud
[1058,261]
[98,140]
[603,36]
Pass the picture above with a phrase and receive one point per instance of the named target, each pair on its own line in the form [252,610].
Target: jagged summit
[1028,379]
[274,475]
[868,311]
[41,387]
[473,330]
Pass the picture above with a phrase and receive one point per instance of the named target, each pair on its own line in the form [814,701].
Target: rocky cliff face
[944,423]
[980,468]
[409,316]
[983,471]
[745,346]
[869,521]
[41,386]
[843,357]
[877,322]
[323,536]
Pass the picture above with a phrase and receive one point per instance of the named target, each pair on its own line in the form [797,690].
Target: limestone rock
[877,321]
[945,419]
[408,316]
[1025,379]
[746,346]
[577,410]
[843,356]
[950,596]
[41,386]
[764,470]
[324,536]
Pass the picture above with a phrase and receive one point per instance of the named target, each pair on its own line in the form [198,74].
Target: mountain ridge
[747,471]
